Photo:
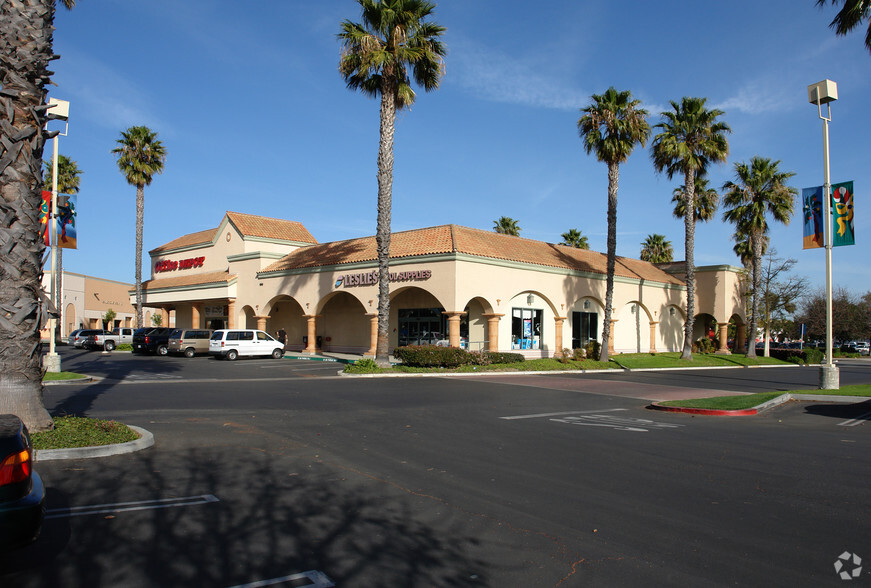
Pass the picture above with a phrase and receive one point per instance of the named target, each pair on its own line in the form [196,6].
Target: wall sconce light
[306,305]
[562,306]
[671,311]
[530,299]
[633,308]
[586,305]
[370,303]
[498,302]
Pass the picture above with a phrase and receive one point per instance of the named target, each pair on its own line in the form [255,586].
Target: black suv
[151,340]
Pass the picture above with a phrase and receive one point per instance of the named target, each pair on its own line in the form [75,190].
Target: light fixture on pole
[57,110]
[826,92]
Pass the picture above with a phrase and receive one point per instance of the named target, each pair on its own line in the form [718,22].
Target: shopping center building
[450,285]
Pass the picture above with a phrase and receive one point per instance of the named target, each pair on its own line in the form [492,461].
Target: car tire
[277,353]
[162,350]
[109,346]
[232,355]
[189,352]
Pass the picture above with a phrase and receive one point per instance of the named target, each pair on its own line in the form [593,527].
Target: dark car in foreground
[22,494]
[151,340]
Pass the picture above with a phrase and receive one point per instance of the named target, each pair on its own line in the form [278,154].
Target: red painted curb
[705,411]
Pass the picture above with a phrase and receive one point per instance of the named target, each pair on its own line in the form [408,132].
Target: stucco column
[611,337]
[741,339]
[196,315]
[558,335]
[231,314]
[373,334]
[653,336]
[164,316]
[261,321]
[724,339]
[312,323]
[454,327]
[493,331]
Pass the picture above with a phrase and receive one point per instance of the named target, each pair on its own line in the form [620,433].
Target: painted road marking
[859,420]
[79,511]
[615,422]
[150,376]
[317,579]
[550,414]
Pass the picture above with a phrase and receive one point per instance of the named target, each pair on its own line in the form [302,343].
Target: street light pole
[826,92]
[58,110]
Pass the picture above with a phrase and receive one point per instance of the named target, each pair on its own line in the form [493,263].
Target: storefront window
[526,328]
[427,326]
[585,328]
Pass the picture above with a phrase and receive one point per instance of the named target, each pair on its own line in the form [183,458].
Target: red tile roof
[475,242]
[189,280]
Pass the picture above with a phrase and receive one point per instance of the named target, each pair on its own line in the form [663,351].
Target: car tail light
[146,339]
[17,467]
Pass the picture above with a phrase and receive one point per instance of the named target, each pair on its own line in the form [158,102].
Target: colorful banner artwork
[842,214]
[65,222]
[813,217]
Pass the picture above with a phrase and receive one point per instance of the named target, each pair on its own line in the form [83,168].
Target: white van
[232,343]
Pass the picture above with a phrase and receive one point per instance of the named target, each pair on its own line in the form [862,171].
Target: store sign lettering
[167,265]
[371,278]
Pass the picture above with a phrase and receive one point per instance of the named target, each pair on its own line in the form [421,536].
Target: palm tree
[574,238]
[851,16]
[377,55]
[760,190]
[68,181]
[507,226]
[611,127]
[26,28]
[691,138]
[656,249]
[140,155]
[743,247]
[707,199]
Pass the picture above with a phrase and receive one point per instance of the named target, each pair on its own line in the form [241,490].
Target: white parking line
[552,414]
[318,580]
[616,423]
[79,511]
[860,420]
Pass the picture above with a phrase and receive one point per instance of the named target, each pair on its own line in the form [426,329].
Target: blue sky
[255,117]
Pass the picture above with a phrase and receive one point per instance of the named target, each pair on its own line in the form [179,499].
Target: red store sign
[167,265]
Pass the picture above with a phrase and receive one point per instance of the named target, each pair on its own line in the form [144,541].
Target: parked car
[71,338]
[863,347]
[189,341]
[152,340]
[233,343]
[22,494]
[110,340]
[81,338]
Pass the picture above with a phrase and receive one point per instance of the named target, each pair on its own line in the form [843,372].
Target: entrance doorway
[585,328]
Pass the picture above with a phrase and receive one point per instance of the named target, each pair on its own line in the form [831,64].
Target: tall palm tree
[612,125]
[140,155]
[507,226]
[574,238]
[68,180]
[377,55]
[760,190]
[743,247]
[851,16]
[690,139]
[707,199]
[26,28]
[656,249]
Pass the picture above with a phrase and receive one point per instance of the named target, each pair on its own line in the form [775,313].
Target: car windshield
[176,334]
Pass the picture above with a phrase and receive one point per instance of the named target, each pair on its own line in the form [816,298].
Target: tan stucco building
[86,299]
[450,285]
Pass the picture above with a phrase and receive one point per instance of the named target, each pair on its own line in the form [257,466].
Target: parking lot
[277,471]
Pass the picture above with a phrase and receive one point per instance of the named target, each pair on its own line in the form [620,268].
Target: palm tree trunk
[613,180]
[140,220]
[689,245]
[756,245]
[385,196]
[25,41]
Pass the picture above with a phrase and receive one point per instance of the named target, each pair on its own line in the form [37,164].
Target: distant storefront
[450,285]
[86,300]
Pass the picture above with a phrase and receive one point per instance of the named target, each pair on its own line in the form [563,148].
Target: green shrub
[124,347]
[480,358]
[432,356]
[501,357]
[813,355]
[593,349]
[565,356]
[579,354]
[366,365]
[704,345]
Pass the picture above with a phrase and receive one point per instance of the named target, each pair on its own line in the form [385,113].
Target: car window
[217,336]
[246,336]
[232,335]
[176,334]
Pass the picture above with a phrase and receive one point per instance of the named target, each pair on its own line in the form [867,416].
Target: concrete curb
[146,439]
[786,397]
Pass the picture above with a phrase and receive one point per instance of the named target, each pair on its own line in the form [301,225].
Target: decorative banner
[44,207]
[66,220]
[813,217]
[842,214]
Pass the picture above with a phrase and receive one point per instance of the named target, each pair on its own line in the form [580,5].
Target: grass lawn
[673,360]
[54,376]
[82,432]
[751,400]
